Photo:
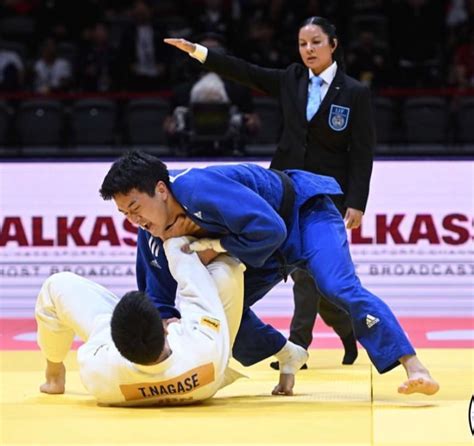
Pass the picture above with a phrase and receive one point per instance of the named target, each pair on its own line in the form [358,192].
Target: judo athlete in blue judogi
[273,222]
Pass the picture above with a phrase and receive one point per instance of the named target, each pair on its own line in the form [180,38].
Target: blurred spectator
[214,17]
[51,73]
[262,45]
[111,45]
[428,46]
[98,62]
[366,61]
[416,27]
[462,74]
[209,87]
[67,20]
[270,10]
[11,70]
[144,51]
[457,13]
[253,12]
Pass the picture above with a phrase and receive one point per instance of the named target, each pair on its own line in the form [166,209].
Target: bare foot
[55,378]
[419,378]
[285,385]
[419,383]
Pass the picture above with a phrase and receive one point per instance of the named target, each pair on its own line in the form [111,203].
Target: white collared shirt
[327,76]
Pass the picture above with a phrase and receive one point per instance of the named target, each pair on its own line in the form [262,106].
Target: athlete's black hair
[137,328]
[134,170]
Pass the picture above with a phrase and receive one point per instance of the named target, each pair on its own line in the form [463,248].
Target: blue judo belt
[284,211]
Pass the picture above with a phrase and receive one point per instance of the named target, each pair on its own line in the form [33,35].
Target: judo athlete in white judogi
[193,363]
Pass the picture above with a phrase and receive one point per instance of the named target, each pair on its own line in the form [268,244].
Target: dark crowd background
[66,57]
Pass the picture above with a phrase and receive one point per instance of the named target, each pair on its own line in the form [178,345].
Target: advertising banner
[414,248]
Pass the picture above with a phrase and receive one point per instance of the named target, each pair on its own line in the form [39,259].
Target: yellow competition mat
[333,405]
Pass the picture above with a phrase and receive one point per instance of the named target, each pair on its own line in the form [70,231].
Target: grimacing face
[161,215]
[157,214]
[315,49]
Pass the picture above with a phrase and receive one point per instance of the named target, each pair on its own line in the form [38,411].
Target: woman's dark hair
[137,329]
[134,170]
[330,30]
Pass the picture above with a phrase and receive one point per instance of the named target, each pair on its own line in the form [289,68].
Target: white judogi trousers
[210,300]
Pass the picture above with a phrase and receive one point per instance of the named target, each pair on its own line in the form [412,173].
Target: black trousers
[309,301]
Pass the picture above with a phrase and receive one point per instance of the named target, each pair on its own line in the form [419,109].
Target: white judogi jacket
[200,343]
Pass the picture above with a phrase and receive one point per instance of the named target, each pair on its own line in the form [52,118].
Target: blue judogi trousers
[319,244]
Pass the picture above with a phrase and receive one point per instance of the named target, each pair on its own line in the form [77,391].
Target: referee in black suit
[327,129]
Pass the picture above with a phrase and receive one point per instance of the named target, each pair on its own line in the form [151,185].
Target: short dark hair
[134,170]
[330,30]
[137,329]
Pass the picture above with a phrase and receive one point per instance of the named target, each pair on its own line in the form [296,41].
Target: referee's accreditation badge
[338,117]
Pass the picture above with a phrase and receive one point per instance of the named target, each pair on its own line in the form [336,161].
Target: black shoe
[350,349]
[276,366]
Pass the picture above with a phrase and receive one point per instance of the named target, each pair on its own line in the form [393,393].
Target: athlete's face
[315,49]
[158,214]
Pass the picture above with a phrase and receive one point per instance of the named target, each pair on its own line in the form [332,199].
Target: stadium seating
[39,122]
[94,122]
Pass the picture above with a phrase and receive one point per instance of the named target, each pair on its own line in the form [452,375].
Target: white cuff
[200,53]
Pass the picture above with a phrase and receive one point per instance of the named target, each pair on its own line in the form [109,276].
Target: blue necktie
[314,97]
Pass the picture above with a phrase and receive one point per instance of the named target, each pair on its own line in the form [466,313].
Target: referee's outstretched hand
[182,44]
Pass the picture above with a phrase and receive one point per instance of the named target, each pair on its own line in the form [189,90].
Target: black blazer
[340,139]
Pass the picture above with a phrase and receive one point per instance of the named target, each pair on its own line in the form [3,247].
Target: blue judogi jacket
[239,205]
